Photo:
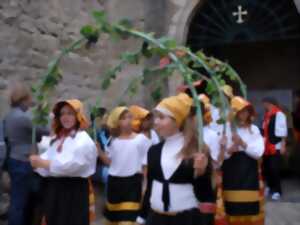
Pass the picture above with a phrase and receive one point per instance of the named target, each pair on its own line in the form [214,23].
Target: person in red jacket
[275,132]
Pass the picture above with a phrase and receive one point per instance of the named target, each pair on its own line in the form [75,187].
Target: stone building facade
[33,31]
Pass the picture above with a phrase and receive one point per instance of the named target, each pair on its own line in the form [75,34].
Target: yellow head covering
[139,114]
[207,114]
[238,104]
[77,106]
[114,116]
[177,107]
[228,91]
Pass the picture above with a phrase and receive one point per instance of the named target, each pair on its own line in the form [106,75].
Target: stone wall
[32,32]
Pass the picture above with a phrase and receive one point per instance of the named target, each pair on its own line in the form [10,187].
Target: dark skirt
[66,201]
[241,185]
[189,217]
[124,196]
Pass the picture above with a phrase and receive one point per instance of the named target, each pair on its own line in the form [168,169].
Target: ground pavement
[285,212]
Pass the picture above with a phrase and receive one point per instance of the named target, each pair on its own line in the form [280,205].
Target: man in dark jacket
[18,130]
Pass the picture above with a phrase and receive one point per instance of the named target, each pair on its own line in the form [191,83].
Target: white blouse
[252,137]
[154,139]
[127,155]
[77,159]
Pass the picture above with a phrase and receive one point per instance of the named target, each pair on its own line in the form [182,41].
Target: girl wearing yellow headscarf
[125,154]
[242,192]
[143,123]
[172,193]
[66,165]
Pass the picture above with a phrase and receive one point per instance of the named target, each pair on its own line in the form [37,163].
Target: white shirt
[154,139]
[216,116]
[212,140]
[252,137]
[77,159]
[127,155]
[182,196]
[281,128]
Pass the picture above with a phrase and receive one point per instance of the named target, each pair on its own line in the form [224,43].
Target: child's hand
[233,149]
[37,162]
[238,141]
[223,142]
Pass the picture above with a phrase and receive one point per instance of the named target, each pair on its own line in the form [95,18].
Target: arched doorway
[259,38]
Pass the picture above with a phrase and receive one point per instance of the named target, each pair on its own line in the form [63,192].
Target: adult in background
[275,133]
[18,131]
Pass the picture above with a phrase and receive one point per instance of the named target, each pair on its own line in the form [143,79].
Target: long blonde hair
[190,133]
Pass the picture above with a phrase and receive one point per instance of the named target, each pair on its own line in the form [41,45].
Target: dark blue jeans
[22,185]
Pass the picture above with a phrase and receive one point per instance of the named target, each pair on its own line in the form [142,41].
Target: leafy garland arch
[179,58]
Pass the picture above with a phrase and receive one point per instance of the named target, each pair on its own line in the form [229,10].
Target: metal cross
[240,13]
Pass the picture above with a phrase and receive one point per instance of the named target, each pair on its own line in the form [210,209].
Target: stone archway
[178,29]
[180,20]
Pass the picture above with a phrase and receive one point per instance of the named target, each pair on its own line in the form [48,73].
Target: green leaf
[34,88]
[168,42]
[231,75]
[157,94]
[210,88]
[90,33]
[147,73]
[121,34]
[100,17]
[201,55]
[145,50]
[133,87]
[159,51]
[106,84]
[132,58]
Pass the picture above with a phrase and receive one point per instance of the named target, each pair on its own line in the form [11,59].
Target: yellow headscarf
[207,114]
[238,104]
[139,114]
[177,107]
[77,106]
[114,116]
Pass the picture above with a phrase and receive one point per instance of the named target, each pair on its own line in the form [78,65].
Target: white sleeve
[76,164]
[144,146]
[42,172]
[145,160]
[108,150]
[281,129]
[255,145]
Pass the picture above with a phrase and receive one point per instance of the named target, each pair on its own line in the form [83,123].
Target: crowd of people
[155,170]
